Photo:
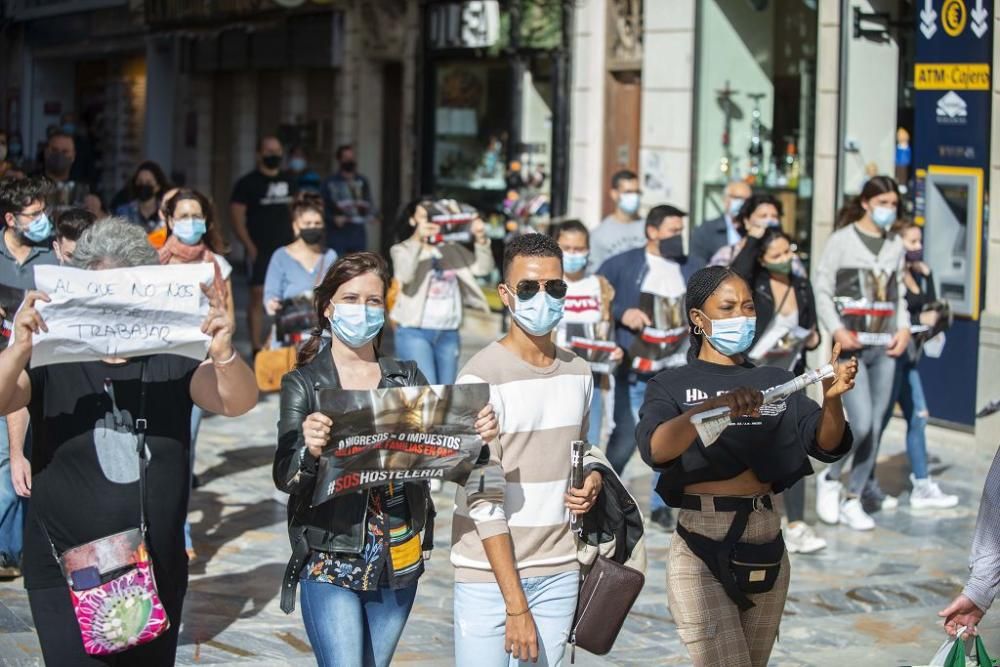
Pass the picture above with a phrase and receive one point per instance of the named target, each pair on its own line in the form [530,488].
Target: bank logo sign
[952,109]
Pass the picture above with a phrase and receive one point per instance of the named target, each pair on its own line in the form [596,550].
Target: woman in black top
[786,328]
[356,557]
[726,611]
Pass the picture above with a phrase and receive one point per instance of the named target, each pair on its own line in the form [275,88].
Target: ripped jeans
[909,391]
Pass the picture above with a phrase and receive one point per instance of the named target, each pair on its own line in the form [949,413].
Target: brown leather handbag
[269,366]
[607,594]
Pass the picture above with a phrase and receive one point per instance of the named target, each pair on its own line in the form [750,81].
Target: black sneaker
[664,518]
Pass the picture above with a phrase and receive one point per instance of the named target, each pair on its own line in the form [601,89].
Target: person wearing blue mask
[26,243]
[727,570]
[587,316]
[623,229]
[516,571]
[711,235]
[861,301]
[758,213]
[356,559]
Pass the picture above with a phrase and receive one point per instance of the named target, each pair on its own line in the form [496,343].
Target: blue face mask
[39,230]
[629,202]
[538,315]
[297,164]
[735,205]
[733,335]
[189,230]
[574,262]
[69,128]
[884,216]
[771,222]
[355,324]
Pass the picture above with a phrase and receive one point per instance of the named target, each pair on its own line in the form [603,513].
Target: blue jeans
[908,389]
[481,620]
[11,506]
[435,351]
[196,415]
[354,628]
[596,413]
[630,391]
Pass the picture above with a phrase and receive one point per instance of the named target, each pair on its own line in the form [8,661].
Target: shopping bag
[952,653]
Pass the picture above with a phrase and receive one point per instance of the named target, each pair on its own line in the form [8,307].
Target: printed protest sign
[121,312]
[399,434]
[10,300]
[665,343]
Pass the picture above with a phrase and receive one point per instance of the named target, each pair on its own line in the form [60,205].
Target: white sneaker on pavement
[927,494]
[801,539]
[827,499]
[854,516]
[889,503]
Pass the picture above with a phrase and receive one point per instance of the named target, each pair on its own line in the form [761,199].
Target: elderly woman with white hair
[87,418]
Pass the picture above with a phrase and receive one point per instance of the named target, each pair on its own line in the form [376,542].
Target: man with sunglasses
[659,268]
[26,243]
[516,570]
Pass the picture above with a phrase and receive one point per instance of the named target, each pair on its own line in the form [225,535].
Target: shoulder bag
[111,581]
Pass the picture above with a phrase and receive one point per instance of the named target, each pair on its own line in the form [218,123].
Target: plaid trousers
[715,631]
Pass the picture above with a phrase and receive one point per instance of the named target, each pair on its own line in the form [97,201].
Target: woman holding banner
[89,418]
[356,557]
[786,328]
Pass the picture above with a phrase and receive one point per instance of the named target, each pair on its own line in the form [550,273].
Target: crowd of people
[622,336]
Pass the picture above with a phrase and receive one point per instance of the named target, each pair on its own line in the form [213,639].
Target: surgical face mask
[297,164]
[312,235]
[40,229]
[189,230]
[770,222]
[57,162]
[629,202]
[271,161]
[913,256]
[733,335]
[574,262]
[538,315]
[672,248]
[780,268]
[735,204]
[144,191]
[884,216]
[356,324]
[348,167]
[69,128]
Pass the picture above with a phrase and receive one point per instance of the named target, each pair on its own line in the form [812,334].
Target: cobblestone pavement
[869,599]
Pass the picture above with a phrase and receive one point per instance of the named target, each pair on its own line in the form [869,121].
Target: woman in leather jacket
[356,557]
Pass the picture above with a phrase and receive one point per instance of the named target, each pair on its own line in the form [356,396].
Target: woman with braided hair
[728,573]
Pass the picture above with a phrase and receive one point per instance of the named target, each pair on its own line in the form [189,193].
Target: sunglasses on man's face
[527,289]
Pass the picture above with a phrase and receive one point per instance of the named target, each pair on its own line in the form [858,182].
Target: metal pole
[562,75]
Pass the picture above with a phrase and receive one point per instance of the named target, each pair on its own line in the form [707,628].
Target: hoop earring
[698,331]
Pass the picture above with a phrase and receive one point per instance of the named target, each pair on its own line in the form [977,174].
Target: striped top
[984,559]
[540,412]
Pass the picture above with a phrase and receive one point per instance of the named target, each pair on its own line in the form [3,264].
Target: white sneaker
[889,503]
[801,539]
[927,494]
[852,514]
[827,499]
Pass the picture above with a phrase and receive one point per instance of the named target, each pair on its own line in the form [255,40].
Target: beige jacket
[412,265]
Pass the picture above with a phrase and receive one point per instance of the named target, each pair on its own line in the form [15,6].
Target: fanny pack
[111,581]
[742,569]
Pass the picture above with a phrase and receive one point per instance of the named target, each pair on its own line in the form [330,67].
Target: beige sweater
[541,411]
[413,263]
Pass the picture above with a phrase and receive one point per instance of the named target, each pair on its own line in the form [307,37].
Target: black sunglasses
[526,289]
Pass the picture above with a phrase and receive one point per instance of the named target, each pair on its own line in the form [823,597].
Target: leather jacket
[337,525]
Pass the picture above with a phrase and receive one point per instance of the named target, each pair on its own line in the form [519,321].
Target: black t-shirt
[84,465]
[774,445]
[269,220]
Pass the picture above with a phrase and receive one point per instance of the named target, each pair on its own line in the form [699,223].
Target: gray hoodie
[857,291]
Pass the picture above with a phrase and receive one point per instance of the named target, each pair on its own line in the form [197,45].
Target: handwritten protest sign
[399,434]
[121,312]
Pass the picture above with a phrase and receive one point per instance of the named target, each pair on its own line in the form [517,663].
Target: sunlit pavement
[868,599]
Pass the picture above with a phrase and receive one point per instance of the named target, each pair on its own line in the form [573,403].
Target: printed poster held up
[399,434]
[121,312]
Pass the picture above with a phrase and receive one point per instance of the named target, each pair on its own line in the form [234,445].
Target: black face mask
[348,167]
[672,249]
[57,163]
[312,235]
[271,161]
[145,192]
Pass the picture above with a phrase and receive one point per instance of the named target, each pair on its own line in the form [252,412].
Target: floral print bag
[111,582]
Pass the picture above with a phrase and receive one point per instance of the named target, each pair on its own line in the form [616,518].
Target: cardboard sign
[121,312]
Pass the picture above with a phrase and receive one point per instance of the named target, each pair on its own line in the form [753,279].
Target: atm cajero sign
[952,76]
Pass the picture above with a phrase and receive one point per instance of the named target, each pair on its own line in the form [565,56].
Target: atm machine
[953,246]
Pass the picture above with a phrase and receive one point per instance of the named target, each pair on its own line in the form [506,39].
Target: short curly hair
[16,194]
[113,243]
[530,245]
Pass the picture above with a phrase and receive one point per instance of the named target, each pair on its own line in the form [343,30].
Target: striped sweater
[540,411]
